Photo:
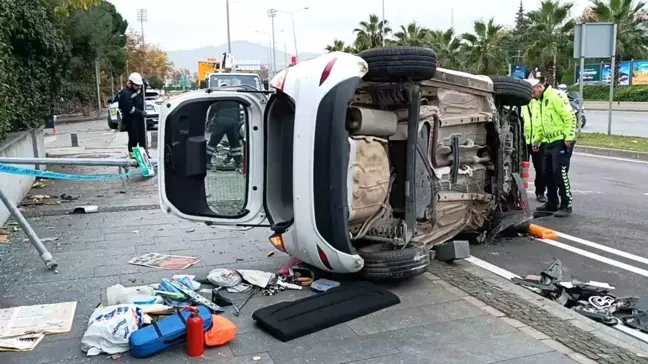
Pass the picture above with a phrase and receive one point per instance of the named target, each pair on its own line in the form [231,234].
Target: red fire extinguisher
[195,336]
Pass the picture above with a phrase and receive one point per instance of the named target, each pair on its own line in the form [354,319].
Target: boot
[547,207]
[563,212]
[541,198]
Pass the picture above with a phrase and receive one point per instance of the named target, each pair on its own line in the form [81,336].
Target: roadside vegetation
[541,37]
[49,53]
[620,142]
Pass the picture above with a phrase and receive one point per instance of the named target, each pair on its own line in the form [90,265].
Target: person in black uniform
[131,105]
[224,118]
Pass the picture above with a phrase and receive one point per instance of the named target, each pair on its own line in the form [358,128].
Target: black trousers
[557,157]
[219,130]
[538,165]
[136,133]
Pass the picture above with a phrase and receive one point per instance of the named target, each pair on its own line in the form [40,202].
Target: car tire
[111,125]
[384,262]
[394,64]
[510,91]
[122,126]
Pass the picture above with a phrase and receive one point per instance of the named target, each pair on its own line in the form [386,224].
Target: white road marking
[646,194]
[612,158]
[600,258]
[632,332]
[492,268]
[604,248]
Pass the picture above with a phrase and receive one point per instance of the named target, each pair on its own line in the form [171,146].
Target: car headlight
[150,108]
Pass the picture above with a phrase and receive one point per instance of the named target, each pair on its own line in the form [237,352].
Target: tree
[150,60]
[337,46]
[412,35]
[447,47]
[520,19]
[482,48]
[549,36]
[370,34]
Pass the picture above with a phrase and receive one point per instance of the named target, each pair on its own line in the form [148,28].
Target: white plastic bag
[109,329]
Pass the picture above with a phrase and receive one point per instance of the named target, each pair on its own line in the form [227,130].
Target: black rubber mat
[290,320]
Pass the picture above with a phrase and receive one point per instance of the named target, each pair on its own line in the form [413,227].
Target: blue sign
[519,71]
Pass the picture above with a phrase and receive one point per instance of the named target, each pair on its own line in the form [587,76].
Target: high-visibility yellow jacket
[549,118]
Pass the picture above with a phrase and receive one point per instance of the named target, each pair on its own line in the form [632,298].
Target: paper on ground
[21,343]
[164,261]
[49,319]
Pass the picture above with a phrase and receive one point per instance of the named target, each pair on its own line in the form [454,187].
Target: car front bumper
[152,119]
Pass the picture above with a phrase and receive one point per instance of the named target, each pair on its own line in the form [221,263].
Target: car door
[227,195]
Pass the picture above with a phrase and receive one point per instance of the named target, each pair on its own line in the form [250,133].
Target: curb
[600,108]
[60,121]
[606,334]
[608,152]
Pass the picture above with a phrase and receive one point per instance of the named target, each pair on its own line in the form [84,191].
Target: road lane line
[604,248]
[612,158]
[600,258]
[492,268]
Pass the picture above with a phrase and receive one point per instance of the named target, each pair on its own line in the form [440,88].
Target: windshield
[151,95]
[234,80]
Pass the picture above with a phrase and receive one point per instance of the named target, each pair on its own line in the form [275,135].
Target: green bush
[637,93]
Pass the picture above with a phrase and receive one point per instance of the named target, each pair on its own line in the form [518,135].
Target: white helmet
[533,82]
[136,78]
[562,87]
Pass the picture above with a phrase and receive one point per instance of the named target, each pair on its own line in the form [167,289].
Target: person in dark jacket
[131,105]
[224,118]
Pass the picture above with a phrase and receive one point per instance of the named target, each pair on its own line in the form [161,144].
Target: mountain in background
[243,51]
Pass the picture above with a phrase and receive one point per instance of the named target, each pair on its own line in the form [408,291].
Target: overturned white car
[357,163]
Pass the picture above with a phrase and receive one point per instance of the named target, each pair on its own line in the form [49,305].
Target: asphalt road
[610,209]
[623,122]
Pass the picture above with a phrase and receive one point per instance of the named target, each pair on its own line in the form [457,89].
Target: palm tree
[412,35]
[482,49]
[631,28]
[447,47]
[549,36]
[370,34]
[337,46]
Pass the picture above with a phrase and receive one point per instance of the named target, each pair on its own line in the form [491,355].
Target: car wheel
[111,125]
[510,91]
[392,64]
[387,262]
[583,121]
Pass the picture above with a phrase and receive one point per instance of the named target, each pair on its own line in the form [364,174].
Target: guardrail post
[35,146]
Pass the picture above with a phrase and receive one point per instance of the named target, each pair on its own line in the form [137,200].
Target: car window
[219,80]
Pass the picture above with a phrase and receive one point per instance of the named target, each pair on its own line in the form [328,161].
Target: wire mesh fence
[226,191]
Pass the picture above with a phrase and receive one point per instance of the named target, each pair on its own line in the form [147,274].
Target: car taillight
[279,80]
[327,70]
[324,258]
[277,242]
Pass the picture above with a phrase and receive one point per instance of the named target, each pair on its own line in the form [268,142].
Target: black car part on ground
[590,299]
[395,64]
[510,91]
[389,262]
[290,320]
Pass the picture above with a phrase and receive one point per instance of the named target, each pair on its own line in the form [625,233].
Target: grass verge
[633,144]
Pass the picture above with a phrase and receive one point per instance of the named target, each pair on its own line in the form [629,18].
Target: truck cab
[220,79]
[352,166]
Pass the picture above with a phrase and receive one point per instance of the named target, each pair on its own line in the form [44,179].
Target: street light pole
[269,48]
[142,17]
[292,18]
[229,40]
[272,13]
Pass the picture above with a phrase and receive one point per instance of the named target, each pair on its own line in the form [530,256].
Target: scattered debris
[164,261]
[50,239]
[21,343]
[85,209]
[38,184]
[47,319]
[135,231]
[66,197]
[256,358]
[589,298]
[110,328]
[190,230]
[5,236]
[270,253]
[38,197]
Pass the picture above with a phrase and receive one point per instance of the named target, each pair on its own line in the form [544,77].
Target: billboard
[518,71]
[640,73]
[591,73]
[623,69]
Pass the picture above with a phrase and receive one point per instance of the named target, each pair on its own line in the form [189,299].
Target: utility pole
[383,23]
[142,17]
[452,18]
[269,47]
[294,31]
[272,13]
[229,40]
[98,86]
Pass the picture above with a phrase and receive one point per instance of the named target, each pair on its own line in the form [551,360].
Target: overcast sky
[190,24]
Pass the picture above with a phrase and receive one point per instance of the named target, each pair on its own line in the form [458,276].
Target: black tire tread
[512,91]
[393,64]
[395,264]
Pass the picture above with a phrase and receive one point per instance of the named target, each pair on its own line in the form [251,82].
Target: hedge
[621,93]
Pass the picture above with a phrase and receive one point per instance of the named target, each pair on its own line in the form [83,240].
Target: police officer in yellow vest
[537,153]
[554,127]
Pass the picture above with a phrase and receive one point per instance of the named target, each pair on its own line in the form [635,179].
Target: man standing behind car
[557,131]
[224,118]
[531,123]
[131,104]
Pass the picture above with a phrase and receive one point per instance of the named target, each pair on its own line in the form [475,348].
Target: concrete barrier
[20,144]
